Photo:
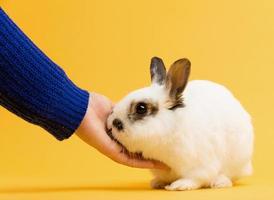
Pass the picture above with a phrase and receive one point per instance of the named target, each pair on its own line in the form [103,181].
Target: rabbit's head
[148,115]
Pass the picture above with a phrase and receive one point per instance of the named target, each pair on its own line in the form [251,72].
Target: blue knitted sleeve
[34,87]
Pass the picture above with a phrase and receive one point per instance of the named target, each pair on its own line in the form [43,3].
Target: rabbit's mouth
[134,155]
[109,132]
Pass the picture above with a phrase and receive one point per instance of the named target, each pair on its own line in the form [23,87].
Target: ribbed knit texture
[34,87]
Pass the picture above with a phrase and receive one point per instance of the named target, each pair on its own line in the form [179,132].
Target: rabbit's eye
[141,108]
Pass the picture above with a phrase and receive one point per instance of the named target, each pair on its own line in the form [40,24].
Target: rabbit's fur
[199,129]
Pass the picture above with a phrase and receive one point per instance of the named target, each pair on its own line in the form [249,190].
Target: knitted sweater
[33,87]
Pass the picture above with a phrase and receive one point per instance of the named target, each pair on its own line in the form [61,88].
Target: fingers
[120,155]
[140,163]
[160,165]
[103,143]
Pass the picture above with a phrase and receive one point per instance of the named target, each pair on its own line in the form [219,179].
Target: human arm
[36,89]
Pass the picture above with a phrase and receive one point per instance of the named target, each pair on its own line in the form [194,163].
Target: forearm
[35,88]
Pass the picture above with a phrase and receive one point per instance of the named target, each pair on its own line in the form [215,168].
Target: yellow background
[106,46]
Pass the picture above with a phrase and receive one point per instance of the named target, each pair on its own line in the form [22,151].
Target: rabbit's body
[212,137]
[206,140]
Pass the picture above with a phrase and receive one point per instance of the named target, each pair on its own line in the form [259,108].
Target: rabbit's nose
[117,123]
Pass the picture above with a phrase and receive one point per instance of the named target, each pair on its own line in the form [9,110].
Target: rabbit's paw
[221,182]
[183,184]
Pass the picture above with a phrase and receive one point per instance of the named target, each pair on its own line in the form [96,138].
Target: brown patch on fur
[152,109]
[172,105]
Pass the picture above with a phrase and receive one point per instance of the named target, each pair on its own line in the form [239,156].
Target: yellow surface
[106,46]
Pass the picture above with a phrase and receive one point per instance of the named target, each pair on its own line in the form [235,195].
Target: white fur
[207,143]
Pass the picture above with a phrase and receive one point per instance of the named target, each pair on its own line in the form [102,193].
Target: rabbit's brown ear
[176,80]
[157,71]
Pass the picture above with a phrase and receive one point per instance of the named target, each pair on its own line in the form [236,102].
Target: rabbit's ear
[157,71]
[176,80]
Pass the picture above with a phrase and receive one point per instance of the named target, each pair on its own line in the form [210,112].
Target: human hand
[92,130]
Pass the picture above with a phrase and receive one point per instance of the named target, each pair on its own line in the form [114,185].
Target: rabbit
[199,129]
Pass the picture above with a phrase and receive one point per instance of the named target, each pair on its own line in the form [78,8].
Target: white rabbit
[199,129]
